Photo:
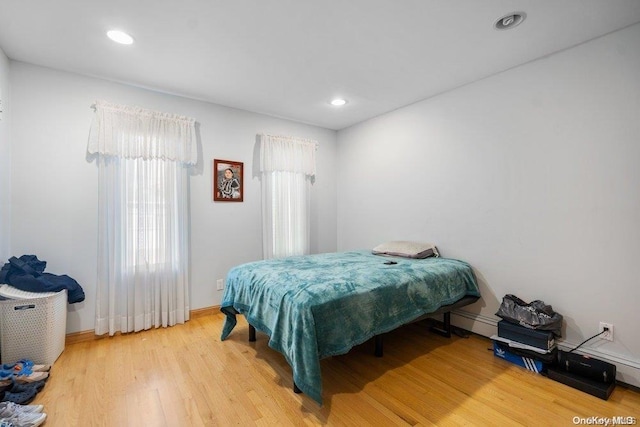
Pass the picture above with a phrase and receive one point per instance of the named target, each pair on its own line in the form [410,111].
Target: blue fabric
[27,273]
[317,306]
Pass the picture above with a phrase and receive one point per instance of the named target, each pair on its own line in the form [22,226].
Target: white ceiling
[288,58]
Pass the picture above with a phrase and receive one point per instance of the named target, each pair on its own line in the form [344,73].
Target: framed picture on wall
[228,181]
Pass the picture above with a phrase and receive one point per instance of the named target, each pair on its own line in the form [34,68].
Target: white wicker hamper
[33,325]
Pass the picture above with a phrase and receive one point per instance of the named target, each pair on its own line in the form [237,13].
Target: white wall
[54,202]
[531,175]
[5,161]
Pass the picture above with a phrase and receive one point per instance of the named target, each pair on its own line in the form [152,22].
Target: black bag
[534,315]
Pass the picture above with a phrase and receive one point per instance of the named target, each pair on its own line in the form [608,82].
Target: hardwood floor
[185,376]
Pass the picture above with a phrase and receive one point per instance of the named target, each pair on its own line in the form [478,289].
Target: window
[150,208]
[143,159]
[287,166]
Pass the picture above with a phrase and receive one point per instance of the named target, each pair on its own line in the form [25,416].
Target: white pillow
[407,249]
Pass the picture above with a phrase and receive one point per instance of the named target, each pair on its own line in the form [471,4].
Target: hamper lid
[15,293]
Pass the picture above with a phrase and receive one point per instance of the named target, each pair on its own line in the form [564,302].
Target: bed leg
[445,331]
[295,388]
[252,333]
[378,351]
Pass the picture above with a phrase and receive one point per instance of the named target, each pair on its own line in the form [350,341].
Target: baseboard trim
[76,337]
[83,336]
[476,323]
[206,311]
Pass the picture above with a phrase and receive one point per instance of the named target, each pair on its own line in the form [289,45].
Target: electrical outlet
[609,334]
[219,284]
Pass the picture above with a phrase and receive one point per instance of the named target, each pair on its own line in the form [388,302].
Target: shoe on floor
[21,398]
[9,409]
[25,364]
[6,384]
[24,377]
[18,388]
[25,419]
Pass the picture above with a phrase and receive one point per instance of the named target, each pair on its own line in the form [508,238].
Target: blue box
[502,351]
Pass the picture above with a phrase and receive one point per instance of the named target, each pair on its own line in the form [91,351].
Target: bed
[317,306]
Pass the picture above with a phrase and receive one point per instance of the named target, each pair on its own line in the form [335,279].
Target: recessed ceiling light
[509,21]
[120,37]
[338,102]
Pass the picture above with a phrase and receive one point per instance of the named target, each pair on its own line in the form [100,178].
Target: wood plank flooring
[185,376]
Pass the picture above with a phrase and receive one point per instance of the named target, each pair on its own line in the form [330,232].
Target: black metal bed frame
[444,331]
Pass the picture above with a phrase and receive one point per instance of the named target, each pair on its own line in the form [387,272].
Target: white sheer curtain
[143,161]
[287,166]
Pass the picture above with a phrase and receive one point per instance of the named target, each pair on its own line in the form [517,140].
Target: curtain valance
[133,132]
[287,154]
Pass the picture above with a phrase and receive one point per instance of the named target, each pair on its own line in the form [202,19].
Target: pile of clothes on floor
[20,382]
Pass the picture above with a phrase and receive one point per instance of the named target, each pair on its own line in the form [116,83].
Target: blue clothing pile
[27,273]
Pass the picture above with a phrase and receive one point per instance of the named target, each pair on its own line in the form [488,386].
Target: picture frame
[228,181]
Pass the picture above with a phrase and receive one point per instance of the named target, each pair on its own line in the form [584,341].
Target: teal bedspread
[322,305]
